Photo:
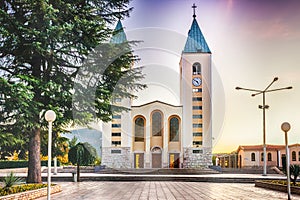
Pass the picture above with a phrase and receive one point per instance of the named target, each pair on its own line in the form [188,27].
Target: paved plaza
[164,190]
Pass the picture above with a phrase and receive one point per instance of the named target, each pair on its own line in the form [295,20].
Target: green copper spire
[195,42]
[119,35]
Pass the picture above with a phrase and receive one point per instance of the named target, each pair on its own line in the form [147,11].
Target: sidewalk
[221,178]
[165,191]
[182,187]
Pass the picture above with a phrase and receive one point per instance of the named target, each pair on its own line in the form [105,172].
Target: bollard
[74,175]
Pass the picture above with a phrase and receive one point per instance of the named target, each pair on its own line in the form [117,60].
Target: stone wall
[202,157]
[277,187]
[116,157]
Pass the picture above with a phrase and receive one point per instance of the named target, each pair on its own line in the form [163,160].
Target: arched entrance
[156,153]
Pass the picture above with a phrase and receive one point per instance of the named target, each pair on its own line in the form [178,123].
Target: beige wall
[292,148]
[186,96]
[275,153]
[163,141]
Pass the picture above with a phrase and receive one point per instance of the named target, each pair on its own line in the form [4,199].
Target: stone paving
[165,191]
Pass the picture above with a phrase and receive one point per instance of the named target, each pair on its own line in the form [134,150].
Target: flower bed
[39,190]
[278,186]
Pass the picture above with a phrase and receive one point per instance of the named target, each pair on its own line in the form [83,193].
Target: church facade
[161,135]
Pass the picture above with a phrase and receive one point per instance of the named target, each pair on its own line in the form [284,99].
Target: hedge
[7,164]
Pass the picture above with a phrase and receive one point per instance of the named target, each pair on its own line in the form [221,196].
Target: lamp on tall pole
[50,116]
[286,127]
[264,107]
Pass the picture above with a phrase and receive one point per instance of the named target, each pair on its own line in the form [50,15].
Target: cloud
[271,29]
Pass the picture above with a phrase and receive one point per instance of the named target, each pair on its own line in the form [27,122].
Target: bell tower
[195,97]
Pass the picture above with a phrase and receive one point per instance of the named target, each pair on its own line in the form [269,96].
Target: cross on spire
[194,7]
[119,14]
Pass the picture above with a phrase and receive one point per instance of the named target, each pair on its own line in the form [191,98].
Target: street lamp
[50,117]
[286,127]
[264,107]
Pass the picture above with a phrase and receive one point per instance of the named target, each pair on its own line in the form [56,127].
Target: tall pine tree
[43,45]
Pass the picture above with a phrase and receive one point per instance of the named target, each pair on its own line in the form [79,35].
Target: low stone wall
[31,194]
[119,159]
[197,160]
[277,187]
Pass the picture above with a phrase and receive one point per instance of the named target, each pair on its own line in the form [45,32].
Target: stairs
[161,171]
[254,170]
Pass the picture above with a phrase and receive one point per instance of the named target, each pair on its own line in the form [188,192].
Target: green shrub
[22,188]
[294,173]
[45,163]
[280,182]
[8,164]
[11,180]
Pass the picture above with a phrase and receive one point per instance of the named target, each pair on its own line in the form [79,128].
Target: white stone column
[165,142]
[279,159]
[147,146]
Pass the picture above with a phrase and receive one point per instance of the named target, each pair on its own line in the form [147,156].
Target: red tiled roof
[260,147]
[294,145]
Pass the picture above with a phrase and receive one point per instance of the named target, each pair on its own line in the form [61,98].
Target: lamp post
[264,107]
[286,127]
[50,117]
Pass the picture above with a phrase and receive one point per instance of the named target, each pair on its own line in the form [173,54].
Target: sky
[252,41]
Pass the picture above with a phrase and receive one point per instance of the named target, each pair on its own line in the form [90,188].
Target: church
[160,135]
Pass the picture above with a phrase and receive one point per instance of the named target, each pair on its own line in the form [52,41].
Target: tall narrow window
[294,156]
[262,156]
[156,123]
[269,156]
[299,155]
[139,129]
[196,68]
[174,129]
[252,156]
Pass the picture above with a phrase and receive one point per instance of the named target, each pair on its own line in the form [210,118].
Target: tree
[43,45]
[82,154]
[10,143]
[59,144]
[73,142]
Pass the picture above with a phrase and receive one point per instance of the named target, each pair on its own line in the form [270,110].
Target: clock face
[197,81]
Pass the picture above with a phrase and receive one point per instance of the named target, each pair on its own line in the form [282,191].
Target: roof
[195,42]
[152,102]
[119,35]
[259,147]
[294,145]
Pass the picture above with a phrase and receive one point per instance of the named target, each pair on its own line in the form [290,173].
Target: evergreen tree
[82,154]
[43,45]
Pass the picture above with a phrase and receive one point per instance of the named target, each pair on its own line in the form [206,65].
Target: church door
[283,161]
[174,160]
[156,157]
[138,160]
